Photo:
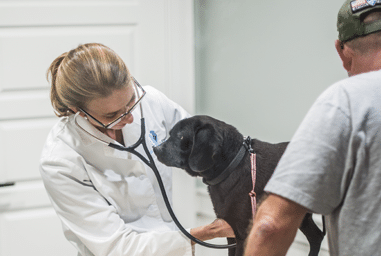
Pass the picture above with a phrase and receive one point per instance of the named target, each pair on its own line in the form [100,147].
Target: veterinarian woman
[109,201]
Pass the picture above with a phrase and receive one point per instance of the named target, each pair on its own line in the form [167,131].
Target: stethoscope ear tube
[151,163]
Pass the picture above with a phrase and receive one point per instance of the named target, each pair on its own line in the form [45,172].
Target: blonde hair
[85,73]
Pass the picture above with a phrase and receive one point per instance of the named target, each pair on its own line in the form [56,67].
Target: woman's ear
[346,55]
[75,110]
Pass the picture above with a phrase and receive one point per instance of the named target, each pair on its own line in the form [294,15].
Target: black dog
[204,146]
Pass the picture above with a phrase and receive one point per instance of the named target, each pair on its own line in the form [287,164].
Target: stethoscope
[151,163]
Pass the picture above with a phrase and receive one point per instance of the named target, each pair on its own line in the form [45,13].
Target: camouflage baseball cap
[349,20]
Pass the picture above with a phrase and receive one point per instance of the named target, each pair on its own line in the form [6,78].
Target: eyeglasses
[139,92]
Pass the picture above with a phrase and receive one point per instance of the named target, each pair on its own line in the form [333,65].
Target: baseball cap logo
[358,5]
[372,2]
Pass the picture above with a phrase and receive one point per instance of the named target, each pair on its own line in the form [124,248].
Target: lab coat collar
[88,133]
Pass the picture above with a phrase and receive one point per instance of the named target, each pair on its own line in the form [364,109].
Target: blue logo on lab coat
[153,137]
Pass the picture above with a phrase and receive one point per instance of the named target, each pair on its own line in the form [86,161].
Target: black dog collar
[246,146]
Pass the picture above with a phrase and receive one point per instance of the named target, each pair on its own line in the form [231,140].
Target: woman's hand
[218,228]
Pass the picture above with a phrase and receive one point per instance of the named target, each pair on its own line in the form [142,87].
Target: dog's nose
[156,149]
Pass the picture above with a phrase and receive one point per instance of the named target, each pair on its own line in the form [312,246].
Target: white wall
[261,64]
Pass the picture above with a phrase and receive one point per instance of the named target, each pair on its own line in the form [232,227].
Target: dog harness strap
[253,160]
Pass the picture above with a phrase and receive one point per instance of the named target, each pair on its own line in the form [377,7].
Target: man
[333,164]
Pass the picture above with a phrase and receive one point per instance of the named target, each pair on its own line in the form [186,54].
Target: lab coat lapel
[90,134]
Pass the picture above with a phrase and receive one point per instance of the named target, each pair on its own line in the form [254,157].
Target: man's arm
[275,227]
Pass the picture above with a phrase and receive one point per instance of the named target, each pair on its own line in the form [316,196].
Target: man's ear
[346,55]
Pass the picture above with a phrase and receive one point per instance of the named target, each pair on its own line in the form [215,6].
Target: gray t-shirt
[333,165]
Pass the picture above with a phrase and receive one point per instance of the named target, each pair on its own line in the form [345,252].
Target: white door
[155,39]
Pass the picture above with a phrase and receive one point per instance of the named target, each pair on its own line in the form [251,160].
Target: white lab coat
[108,201]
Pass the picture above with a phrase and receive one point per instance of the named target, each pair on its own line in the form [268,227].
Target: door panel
[47,43]
[21,144]
[33,232]
[28,224]
[44,45]
[75,12]
[24,104]
[149,36]
[22,195]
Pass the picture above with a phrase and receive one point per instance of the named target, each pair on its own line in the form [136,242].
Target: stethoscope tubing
[151,163]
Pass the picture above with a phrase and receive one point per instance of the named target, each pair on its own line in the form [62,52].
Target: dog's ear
[205,146]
